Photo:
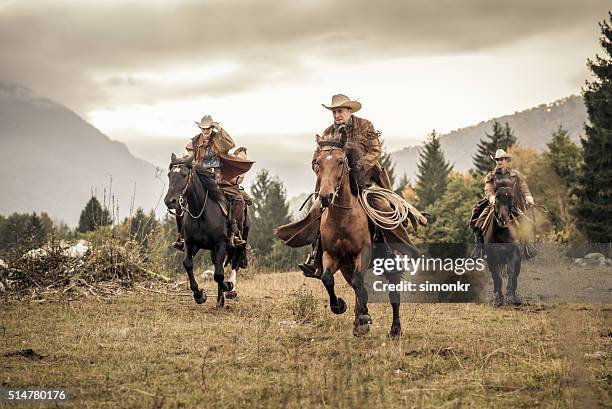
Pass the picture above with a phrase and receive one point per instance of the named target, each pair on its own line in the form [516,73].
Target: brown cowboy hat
[500,154]
[205,123]
[342,101]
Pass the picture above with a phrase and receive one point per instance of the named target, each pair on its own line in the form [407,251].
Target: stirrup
[309,270]
[235,241]
[179,244]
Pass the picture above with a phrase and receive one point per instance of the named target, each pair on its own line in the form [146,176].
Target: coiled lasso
[387,220]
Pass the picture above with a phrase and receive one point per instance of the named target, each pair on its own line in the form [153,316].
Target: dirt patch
[28,353]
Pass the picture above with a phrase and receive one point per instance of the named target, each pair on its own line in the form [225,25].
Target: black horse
[501,248]
[194,190]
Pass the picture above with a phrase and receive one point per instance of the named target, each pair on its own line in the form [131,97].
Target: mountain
[533,128]
[52,161]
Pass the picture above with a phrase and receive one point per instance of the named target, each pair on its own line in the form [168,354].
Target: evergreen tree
[270,211]
[387,162]
[452,211]
[432,172]
[594,208]
[500,138]
[564,157]
[92,216]
[403,183]
[142,226]
[22,232]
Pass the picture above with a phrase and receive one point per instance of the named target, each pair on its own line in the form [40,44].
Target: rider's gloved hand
[492,200]
[529,201]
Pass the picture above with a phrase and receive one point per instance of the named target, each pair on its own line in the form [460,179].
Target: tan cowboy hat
[342,101]
[500,154]
[205,123]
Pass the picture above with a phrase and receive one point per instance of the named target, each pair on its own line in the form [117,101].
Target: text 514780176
[33,395]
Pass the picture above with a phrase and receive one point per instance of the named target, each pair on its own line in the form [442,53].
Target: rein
[183,203]
[345,170]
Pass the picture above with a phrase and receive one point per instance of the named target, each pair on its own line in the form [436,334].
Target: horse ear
[172,158]
[319,139]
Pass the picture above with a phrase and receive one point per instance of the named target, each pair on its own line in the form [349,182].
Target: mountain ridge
[533,128]
[54,160]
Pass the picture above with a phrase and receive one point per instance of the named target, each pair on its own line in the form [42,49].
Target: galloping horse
[345,234]
[501,248]
[205,226]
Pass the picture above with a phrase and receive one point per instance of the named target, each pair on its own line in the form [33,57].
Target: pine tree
[564,157]
[432,172]
[500,138]
[270,211]
[403,183]
[142,226]
[453,209]
[387,163]
[22,232]
[92,216]
[594,208]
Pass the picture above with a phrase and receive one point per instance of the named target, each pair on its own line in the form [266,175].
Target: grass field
[278,345]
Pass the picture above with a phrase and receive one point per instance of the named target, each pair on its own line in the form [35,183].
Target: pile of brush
[103,268]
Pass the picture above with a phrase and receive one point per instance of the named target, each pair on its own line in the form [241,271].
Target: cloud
[63,49]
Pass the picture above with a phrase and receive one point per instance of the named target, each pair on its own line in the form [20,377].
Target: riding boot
[179,244]
[235,239]
[312,267]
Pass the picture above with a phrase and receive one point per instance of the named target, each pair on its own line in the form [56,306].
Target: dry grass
[271,348]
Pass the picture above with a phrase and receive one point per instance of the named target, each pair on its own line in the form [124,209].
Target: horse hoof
[231,294]
[221,302]
[396,331]
[361,330]
[339,308]
[515,300]
[229,286]
[199,297]
[498,301]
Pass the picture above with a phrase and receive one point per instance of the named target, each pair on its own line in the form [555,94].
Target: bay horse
[501,248]
[345,233]
[194,190]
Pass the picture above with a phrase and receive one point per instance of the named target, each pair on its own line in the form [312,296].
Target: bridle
[182,202]
[508,192]
[345,169]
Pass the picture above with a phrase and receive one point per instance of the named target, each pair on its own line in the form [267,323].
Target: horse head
[503,206]
[332,167]
[178,178]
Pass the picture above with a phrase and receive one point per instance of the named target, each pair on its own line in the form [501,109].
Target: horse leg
[232,293]
[395,299]
[198,295]
[497,282]
[361,325]
[218,257]
[336,304]
[514,269]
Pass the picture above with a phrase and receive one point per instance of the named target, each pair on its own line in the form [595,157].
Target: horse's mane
[207,179]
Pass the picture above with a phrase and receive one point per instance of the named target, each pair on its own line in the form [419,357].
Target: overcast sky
[149,68]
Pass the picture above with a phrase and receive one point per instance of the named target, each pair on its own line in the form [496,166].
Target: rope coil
[387,220]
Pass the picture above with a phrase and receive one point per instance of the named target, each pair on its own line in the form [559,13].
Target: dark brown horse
[345,235]
[501,248]
[195,191]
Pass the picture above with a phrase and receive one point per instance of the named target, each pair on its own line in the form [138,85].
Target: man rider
[502,175]
[361,133]
[207,150]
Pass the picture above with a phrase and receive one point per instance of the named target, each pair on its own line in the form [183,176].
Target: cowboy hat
[205,123]
[342,101]
[500,154]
